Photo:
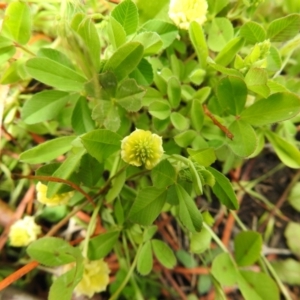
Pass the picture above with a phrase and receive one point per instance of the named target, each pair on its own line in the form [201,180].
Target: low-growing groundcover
[140,143]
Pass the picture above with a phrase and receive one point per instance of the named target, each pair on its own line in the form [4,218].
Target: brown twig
[56,179]
[281,200]
[217,123]
[174,284]
[18,274]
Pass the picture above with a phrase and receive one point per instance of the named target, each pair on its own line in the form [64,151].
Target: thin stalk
[267,263]
[91,228]
[128,276]
[277,279]
[215,238]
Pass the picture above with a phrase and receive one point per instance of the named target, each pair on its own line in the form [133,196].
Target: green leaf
[48,150]
[149,10]
[147,205]
[204,157]
[292,235]
[101,143]
[214,7]
[81,118]
[116,33]
[145,259]
[274,61]
[253,32]
[126,14]
[197,114]
[163,174]
[45,106]
[56,56]
[228,53]
[220,33]
[11,74]
[52,252]
[285,28]
[200,241]
[185,138]
[294,197]
[65,170]
[106,113]
[186,259]
[198,40]
[226,71]
[189,213]
[54,214]
[288,271]
[109,84]
[256,80]
[277,107]
[125,60]
[179,121]
[174,91]
[143,73]
[17,22]
[101,245]
[86,29]
[160,109]
[244,140]
[149,232]
[129,95]
[224,269]
[257,286]
[288,153]
[232,93]
[223,190]
[196,178]
[55,74]
[6,53]
[90,170]
[163,254]
[116,186]
[63,287]
[247,246]
[151,41]
[166,31]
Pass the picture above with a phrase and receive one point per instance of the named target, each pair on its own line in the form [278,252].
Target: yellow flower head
[95,278]
[142,148]
[183,12]
[23,232]
[53,201]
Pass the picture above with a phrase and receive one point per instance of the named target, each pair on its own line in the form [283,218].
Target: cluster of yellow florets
[95,278]
[53,201]
[183,12]
[23,232]
[142,148]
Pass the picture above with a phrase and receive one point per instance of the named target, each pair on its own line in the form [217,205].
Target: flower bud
[23,232]
[183,12]
[95,278]
[142,148]
[54,200]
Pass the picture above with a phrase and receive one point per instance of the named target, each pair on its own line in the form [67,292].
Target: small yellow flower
[95,278]
[142,148]
[183,12]
[23,232]
[53,201]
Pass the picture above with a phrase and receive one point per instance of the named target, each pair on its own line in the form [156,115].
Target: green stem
[24,49]
[215,237]
[91,229]
[266,262]
[277,279]
[127,278]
